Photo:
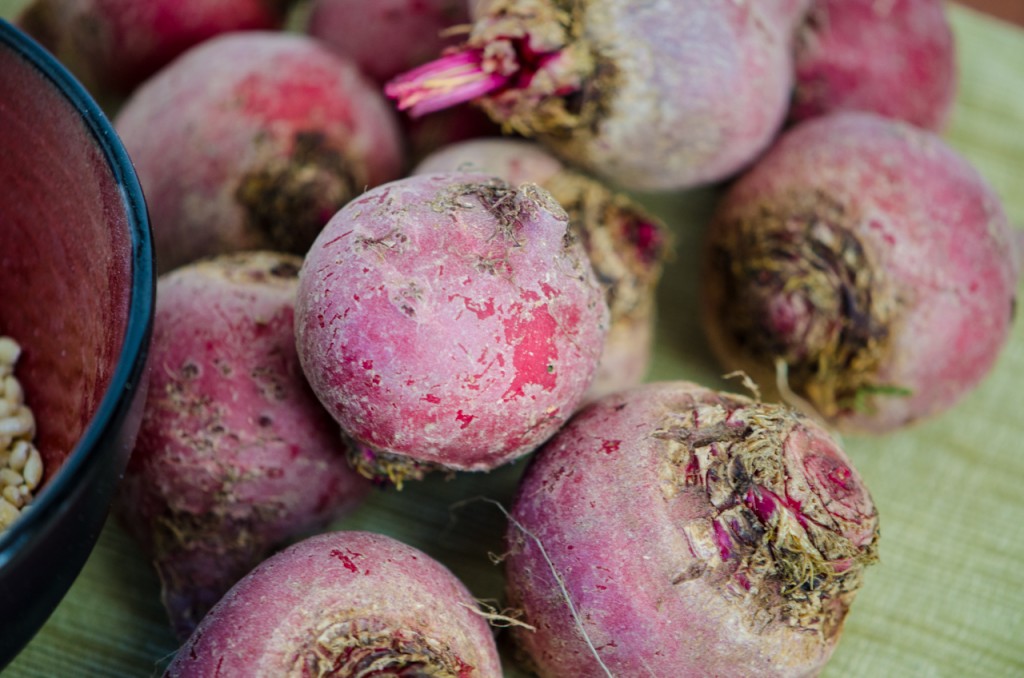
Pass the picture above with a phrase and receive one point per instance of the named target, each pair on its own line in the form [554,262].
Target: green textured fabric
[943,601]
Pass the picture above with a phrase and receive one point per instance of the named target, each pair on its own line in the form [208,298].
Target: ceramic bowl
[76,292]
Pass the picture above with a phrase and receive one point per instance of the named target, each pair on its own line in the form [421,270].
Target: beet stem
[451,80]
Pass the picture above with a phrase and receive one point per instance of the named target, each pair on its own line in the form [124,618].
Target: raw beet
[655,96]
[672,530]
[235,456]
[448,320]
[113,45]
[253,141]
[344,604]
[894,58]
[627,245]
[866,262]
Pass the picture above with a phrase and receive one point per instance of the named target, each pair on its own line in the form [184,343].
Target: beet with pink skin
[627,246]
[868,264]
[448,321]
[253,141]
[894,58]
[113,45]
[657,95]
[344,604]
[235,456]
[693,533]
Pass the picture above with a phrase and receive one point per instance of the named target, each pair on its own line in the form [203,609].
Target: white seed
[21,465]
[22,424]
[19,454]
[26,415]
[13,495]
[13,426]
[13,393]
[33,471]
[9,477]
[9,351]
[8,513]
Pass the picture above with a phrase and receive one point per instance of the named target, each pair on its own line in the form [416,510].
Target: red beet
[869,260]
[253,141]
[235,456]
[113,45]
[344,604]
[626,245]
[895,58]
[671,530]
[654,96]
[448,321]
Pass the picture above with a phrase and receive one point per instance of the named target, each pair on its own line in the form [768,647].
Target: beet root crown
[799,289]
[790,520]
[368,648]
[287,200]
[670,511]
[523,63]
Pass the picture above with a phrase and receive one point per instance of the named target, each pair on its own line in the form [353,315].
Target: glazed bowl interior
[76,292]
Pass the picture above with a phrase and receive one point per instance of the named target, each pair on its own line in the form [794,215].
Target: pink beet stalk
[387,37]
[526,52]
[448,81]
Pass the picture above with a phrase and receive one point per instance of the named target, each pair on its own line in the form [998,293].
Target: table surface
[944,600]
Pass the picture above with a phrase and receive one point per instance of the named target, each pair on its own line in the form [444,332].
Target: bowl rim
[131,360]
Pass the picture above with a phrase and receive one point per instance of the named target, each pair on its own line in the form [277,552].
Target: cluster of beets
[350,294]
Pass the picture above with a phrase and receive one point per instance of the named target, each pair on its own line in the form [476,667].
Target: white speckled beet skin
[703,88]
[344,603]
[234,455]
[626,246]
[691,90]
[445,331]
